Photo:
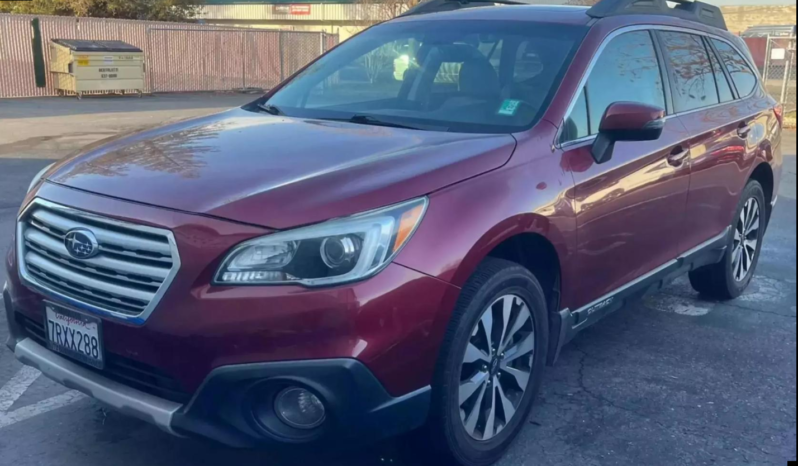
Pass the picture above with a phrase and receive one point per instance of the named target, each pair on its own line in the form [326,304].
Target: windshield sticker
[509,107]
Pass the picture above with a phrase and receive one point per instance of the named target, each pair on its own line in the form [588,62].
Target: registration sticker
[509,107]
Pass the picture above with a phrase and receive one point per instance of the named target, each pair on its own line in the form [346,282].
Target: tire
[459,438]
[730,278]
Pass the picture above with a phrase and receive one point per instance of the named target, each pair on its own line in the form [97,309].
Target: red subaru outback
[407,231]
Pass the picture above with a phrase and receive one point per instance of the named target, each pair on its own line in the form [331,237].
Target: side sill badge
[602,305]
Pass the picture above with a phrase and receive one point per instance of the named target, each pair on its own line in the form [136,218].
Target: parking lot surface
[670,380]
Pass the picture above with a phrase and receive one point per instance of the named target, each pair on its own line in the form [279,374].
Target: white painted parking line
[50,404]
[15,387]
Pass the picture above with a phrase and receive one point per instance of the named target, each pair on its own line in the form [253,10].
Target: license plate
[75,335]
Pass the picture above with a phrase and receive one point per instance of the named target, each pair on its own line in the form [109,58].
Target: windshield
[461,76]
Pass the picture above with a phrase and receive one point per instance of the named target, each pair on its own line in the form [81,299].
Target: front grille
[126,278]
[134,374]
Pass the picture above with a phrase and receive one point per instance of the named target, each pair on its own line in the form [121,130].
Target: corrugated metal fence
[180,56]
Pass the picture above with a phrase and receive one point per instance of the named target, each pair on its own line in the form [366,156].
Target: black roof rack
[690,10]
[438,6]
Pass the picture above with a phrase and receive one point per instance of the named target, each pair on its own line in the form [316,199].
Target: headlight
[330,253]
[38,177]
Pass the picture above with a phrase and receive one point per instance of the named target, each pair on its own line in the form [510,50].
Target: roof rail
[438,6]
[690,10]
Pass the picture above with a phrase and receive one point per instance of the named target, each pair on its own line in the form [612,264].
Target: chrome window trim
[640,27]
[29,280]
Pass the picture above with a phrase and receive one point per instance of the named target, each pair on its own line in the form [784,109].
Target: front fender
[465,222]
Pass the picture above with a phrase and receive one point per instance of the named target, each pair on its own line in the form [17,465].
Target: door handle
[744,130]
[678,156]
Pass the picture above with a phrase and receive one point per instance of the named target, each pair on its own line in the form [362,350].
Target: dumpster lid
[97,45]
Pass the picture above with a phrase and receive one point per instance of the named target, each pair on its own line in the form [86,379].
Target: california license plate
[76,335]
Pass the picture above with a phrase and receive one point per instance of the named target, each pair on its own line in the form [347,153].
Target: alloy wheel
[746,240]
[497,367]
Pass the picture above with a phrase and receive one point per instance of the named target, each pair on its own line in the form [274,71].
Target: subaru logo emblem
[81,244]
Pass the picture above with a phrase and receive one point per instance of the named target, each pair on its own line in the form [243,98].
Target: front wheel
[491,365]
[729,279]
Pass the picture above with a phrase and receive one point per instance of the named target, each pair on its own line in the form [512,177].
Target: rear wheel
[491,365]
[730,278]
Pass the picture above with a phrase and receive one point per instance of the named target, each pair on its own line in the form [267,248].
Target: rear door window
[692,77]
[724,88]
[743,76]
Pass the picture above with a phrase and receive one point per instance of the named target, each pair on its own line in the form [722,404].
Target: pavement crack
[602,399]
[760,311]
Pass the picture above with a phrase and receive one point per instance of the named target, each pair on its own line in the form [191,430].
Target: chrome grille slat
[138,255]
[47,230]
[134,266]
[105,236]
[92,272]
[45,241]
[84,295]
[58,270]
[108,250]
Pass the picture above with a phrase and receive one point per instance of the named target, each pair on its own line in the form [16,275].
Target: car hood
[279,172]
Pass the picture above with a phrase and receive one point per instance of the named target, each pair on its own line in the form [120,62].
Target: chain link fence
[180,57]
[780,71]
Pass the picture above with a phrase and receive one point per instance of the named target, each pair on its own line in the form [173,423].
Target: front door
[630,210]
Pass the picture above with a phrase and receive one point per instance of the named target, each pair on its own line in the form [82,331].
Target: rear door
[630,210]
[721,115]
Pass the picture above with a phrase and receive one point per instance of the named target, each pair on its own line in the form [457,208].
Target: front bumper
[380,337]
[359,407]
[127,400]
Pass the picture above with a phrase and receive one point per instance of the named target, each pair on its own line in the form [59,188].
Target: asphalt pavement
[670,380]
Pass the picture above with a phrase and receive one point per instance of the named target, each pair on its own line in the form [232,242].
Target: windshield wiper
[270,109]
[373,121]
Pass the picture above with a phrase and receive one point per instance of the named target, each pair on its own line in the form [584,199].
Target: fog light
[299,408]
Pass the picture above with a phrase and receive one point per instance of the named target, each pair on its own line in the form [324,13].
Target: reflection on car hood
[280,172]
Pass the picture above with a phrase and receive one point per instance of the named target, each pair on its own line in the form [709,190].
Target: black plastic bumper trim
[358,406]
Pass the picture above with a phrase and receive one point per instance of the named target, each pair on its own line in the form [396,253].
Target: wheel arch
[763,173]
[538,255]
[529,241]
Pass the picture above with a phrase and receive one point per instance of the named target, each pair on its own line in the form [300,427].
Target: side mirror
[627,121]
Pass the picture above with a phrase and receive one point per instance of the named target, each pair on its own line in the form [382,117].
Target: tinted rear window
[744,78]
[724,88]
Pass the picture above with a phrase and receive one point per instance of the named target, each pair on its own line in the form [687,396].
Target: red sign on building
[301,10]
[295,10]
